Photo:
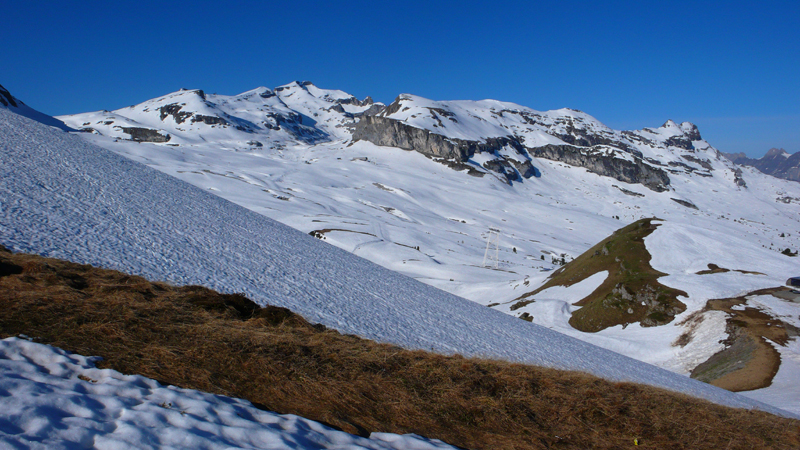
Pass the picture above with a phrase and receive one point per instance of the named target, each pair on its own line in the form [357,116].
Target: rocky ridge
[479,137]
[776,162]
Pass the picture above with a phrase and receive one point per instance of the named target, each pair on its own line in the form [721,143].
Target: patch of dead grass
[196,338]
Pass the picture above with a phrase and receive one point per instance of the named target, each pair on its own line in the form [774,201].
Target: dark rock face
[394,106]
[525,168]
[6,98]
[693,133]
[174,110]
[355,101]
[681,142]
[737,178]
[373,109]
[392,133]
[503,167]
[209,120]
[636,171]
[776,162]
[145,134]
[626,192]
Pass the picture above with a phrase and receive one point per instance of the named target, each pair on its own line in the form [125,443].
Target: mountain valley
[421,187]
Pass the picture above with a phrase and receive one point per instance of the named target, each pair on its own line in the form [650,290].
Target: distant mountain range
[776,162]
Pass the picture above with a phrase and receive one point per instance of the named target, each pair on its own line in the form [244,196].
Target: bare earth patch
[713,268]
[748,362]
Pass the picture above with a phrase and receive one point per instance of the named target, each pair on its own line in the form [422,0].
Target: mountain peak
[691,131]
[670,124]
[775,152]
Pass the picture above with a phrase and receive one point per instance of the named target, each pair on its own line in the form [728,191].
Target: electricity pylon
[492,238]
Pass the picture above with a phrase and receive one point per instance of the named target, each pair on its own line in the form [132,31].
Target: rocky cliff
[508,156]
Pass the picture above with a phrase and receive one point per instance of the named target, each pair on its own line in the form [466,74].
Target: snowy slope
[8,101]
[63,197]
[410,214]
[56,400]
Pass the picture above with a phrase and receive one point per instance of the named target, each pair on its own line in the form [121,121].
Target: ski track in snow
[63,197]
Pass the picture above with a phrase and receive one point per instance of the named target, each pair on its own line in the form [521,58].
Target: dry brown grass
[195,338]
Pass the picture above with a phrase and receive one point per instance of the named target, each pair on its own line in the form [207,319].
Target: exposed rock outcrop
[635,171]
[393,133]
[738,179]
[6,98]
[685,203]
[146,134]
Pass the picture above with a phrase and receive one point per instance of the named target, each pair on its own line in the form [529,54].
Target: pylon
[493,237]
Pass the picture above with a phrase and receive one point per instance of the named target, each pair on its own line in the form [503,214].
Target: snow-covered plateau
[290,155]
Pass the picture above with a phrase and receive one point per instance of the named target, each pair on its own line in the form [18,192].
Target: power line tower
[492,238]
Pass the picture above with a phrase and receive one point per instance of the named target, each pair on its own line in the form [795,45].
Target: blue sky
[730,67]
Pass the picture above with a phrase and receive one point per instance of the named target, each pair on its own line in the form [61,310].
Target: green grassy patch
[631,293]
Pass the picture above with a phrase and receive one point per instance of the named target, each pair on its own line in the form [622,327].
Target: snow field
[51,399]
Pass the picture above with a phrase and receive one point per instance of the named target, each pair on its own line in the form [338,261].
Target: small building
[793,282]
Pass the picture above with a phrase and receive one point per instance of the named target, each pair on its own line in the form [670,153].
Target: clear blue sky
[730,67]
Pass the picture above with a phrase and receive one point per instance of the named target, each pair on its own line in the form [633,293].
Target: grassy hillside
[631,292]
[196,338]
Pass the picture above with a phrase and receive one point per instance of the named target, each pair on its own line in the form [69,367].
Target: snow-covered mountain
[776,162]
[65,197]
[14,104]
[418,186]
